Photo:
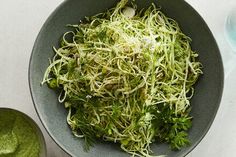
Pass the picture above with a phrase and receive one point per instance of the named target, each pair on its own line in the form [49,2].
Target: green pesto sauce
[18,137]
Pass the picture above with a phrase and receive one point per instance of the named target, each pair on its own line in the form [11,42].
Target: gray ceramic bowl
[205,102]
[13,112]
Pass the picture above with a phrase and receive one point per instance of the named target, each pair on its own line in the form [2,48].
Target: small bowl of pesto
[19,135]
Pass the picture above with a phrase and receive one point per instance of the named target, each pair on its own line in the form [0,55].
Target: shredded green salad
[126,76]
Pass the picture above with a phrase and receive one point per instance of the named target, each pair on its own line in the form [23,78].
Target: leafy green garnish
[127,78]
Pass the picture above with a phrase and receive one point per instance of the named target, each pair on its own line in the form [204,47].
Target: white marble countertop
[20,22]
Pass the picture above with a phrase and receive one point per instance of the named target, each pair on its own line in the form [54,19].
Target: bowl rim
[40,133]
[189,148]
[29,74]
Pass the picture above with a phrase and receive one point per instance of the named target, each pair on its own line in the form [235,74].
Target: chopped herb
[127,76]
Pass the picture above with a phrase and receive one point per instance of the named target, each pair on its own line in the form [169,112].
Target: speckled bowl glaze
[32,123]
[208,90]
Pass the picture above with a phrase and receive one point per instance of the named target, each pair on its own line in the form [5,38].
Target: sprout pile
[126,77]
